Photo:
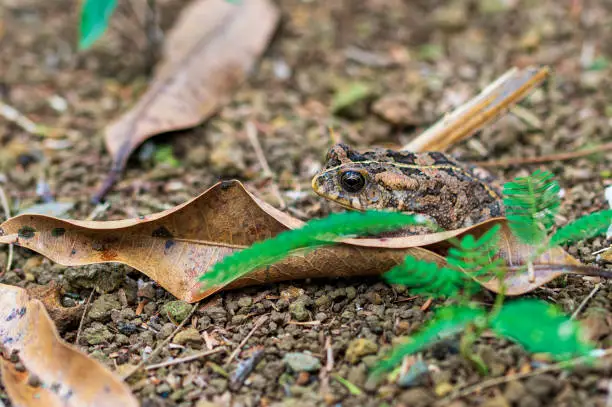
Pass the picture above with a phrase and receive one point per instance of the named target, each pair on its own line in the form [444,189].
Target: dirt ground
[420,59]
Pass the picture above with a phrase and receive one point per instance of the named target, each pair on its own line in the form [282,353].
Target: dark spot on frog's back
[440,159]
[169,244]
[402,157]
[58,232]
[162,232]
[26,232]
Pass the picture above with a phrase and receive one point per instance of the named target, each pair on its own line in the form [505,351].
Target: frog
[449,194]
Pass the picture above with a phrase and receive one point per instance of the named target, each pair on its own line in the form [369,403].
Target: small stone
[189,336]
[542,386]
[96,334]
[514,391]
[323,301]
[302,362]
[358,348]
[101,308]
[529,401]
[166,330]
[351,293]
[442,389]
[298,310]
[357,374]
[217,314]
[178,310]
[245,302]
[104,278]
[416,397]
[452,16]
[197,156]
[417,375]
[498,401]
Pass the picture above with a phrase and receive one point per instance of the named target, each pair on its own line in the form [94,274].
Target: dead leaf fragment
[207,55]
[49,372]
[177,246]
[50,296]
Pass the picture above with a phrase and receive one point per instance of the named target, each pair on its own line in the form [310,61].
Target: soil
[418,60]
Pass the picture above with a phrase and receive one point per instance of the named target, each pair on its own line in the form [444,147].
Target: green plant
[531,204]
[95,16]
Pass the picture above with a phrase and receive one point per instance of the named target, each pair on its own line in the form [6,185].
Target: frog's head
[355,180]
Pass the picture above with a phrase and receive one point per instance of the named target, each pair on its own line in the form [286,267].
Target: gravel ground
[418,59]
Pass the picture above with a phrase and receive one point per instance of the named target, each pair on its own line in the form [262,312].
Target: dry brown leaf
[39,369]
[480,111]
[207,55]
[176,246]
[50,295]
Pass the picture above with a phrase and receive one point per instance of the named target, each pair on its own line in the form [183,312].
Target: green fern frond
[583,228]
[477,256]
[427,278]
[315,233]
[447,322]
[546,330]
[531,205]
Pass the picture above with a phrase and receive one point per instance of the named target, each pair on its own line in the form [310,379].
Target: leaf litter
[210,51]
[39,368]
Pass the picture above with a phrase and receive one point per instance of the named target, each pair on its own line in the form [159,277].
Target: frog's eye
[352,181]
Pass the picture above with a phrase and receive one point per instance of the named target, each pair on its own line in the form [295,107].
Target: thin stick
[251,132]
[13,115]
[236,351]
[185,359]
[546,158]
[7,211]
[479,387]
[163,344]
[584,302]
[76,341]
[478,111]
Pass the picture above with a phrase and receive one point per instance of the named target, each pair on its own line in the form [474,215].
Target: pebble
[178,310]
[188,336]
[302,362]
[417,397]
[101,308]
[96,334]
[358,348]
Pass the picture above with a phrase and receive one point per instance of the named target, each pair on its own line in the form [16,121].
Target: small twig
[185,359]
[329,366]
[163,344]
[13,115]
[251,132]
[98,210]
[546,158]
[7,211]
[236,351]
[76,341]
[479,387]
[584,302]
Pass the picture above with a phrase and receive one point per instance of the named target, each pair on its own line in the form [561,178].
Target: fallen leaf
[207,55]
[50,296]
[39,369]
[176,246]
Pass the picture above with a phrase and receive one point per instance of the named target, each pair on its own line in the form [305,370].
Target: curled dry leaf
[50,295]
[207,55]
[39,369]
[176,246]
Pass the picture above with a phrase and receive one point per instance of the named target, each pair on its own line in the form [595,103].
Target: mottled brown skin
[431,184]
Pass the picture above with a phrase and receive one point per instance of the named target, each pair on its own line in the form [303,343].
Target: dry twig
[236,351]
[163,344]
[185,359]
[479,387]
[76,341]
[584,302]
[251,132]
